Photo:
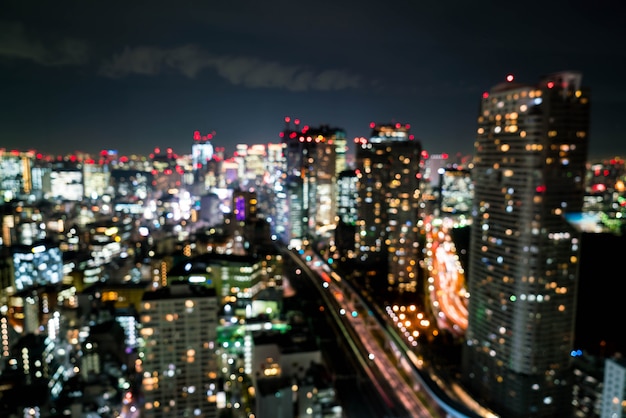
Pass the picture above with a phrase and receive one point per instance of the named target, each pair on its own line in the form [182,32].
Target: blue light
[576,353]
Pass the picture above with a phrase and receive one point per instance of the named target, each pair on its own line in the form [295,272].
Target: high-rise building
[347,215]
[614,394]
[347,193]
[15,174]
[455,191]
[529,171]
[179,366]
[251,160]
[201,149]
[96,179]
[274,206]
[38,264]
[311,164]
[66,183]
[388,171]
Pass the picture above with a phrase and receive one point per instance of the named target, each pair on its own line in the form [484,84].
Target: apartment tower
[529,171]
[388,172]
[179,366]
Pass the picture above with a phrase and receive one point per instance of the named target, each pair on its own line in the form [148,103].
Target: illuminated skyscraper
[388,171]
[201,149]
[15,174]
[251,160]
[614,394]
[311,164]
[347,192]
[179,327]
[347,214]
[274,206]
[96,179]
[529,170]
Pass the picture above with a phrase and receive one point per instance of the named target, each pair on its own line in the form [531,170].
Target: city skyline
[121,276]
[85,77]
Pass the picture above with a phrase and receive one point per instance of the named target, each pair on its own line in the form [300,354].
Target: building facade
[529,170]
[614,394]
[179,366]
[310,178]
[388,171]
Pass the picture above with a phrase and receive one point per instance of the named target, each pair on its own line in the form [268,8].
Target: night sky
[135,75]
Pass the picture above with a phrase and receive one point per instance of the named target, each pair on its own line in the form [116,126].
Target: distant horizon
[230,153]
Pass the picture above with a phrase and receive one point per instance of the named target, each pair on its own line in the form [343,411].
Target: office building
[311,164]
[455,191]
[388,171]
[179,366]
[39,264]
[347,215]
[201,149]
[529,171]
[96,179]
[15,174]
[614,389]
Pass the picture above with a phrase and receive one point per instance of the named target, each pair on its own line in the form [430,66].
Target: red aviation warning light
[197,136]
[510,78]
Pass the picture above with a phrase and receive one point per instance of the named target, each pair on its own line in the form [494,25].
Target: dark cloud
[238,70]
[15,43]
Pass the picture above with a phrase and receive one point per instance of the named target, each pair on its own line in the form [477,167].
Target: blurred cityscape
[297,278]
